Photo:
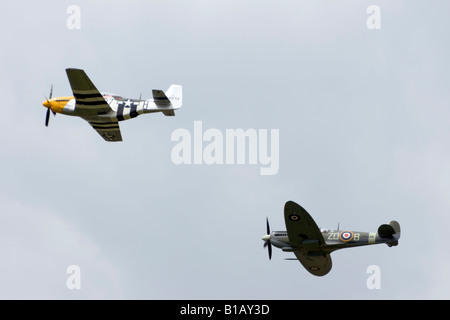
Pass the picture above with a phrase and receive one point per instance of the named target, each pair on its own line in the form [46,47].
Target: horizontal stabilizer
[391,230]
[170,113]
[160,98]
[386,231]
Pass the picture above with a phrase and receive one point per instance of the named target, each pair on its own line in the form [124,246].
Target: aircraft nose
[266,237]
[46,103]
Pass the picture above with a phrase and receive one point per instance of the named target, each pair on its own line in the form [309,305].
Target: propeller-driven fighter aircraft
[313,246]
[104,111]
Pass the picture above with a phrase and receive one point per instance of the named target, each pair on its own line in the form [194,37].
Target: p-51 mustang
[104,111]
[313,246]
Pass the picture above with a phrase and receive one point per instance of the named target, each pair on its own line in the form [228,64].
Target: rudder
[175,95]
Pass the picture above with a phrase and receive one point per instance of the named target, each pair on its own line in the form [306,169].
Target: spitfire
[312,246]
[104,111]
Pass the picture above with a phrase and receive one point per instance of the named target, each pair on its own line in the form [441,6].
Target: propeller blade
[267,242]
[47,117]
[51,91]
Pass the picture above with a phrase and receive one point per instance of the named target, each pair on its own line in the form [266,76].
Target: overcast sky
[363,120]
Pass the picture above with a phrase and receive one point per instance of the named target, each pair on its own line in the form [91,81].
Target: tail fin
[391,230]
[172,98]
[175,95]
[396,227]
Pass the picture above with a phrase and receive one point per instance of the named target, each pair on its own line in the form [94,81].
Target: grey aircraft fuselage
[334,240]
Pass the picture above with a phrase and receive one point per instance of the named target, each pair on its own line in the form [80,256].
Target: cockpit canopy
[113,95]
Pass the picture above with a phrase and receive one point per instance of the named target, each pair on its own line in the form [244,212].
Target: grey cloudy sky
[363,122]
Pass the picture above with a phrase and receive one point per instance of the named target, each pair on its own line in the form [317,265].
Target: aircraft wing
[110,131]
[317,263]
[301,227]
[88,99]
[304,234]
[90,102]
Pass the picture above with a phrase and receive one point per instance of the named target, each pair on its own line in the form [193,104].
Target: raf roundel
[346,236]
[294,217]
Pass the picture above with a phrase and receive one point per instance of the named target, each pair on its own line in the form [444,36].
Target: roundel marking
[313,268]
[294,217]
[346,236]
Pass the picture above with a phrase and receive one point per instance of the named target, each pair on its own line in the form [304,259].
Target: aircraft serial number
[337,236]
